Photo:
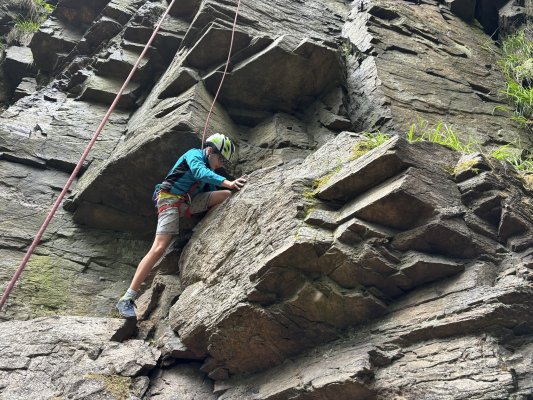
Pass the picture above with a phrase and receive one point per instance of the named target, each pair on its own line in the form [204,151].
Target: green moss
[47,8]
[528,181]
[345,49]
[370,141]
[465,166]
[321,182]
[48,291]
[116,385]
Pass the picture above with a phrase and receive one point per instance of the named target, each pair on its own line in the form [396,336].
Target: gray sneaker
[126,309]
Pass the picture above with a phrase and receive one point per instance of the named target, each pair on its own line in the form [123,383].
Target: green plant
[48,8]
[506,153]
[370,141]
[440,133]
[27,25]
[517,67]
[345,49]
[32,14]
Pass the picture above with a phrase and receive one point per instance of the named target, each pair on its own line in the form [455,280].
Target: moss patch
[465,166]
[528,181]
[116,385]
[370,141]
[48,291]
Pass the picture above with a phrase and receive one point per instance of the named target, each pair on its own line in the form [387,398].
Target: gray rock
[296,74]
[70,357]
[184,381]
[301,271]
[402,272]
[99,89]
[389,68]
[52,43]
[487,14]
[25,88]
[513,16]
[18,63]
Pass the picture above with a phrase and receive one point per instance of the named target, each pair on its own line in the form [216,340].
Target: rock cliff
[340,271]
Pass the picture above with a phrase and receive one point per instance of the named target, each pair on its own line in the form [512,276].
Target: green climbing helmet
[222,144]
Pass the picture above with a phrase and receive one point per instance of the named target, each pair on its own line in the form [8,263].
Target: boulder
[104,90]
[286,76]
[184,382]
[512,17]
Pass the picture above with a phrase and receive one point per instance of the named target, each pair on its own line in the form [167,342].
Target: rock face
[382,226]
[402,272]
[71,357]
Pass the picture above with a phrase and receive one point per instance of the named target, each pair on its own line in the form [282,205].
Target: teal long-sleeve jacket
[190,168]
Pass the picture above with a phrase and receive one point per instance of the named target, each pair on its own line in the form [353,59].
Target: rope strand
[223,75]
[76,170]
[57,203]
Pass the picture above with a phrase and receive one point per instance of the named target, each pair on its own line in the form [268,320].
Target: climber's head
[222,145]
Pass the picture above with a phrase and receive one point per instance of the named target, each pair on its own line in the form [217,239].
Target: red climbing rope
[224,74]
[56,205]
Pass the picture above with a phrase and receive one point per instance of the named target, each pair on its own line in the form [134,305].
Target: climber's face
[215,160]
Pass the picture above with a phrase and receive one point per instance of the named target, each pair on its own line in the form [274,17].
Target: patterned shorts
[168,220]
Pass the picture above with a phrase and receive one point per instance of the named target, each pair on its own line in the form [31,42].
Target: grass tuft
[370,141]
[442,134]
[512,156]
[517,66]
[32,14]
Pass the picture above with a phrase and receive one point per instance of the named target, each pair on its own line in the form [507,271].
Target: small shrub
[48,8]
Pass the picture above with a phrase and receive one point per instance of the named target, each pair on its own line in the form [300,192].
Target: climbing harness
[91,143]
[180,199]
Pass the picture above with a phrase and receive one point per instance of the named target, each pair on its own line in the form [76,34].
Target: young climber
[189,188]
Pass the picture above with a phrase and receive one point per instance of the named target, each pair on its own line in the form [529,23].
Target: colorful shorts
[168,220]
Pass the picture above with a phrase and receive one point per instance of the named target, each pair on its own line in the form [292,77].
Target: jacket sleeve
[200,171]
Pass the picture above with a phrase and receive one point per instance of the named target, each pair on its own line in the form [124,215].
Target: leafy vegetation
[32,14]
[442,134]
[445,135]
[517,66]
[512,156]
[26,25]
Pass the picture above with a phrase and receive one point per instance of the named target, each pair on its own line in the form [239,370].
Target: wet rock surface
[401,273]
